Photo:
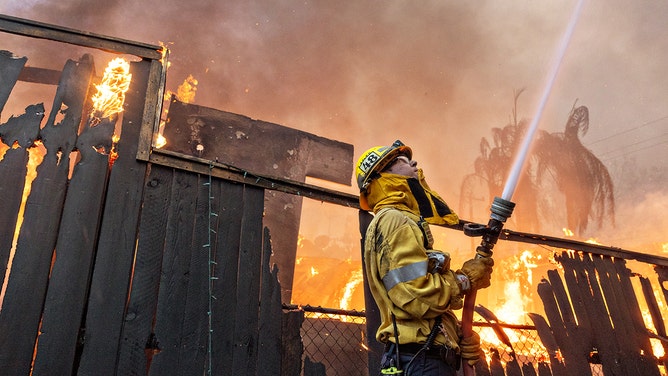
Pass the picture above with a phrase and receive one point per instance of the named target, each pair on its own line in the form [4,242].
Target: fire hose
[502,207]
[501,210]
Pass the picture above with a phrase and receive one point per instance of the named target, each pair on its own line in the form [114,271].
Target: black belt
[435,351]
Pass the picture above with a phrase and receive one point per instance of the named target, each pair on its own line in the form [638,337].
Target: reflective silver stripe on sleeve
[404,274]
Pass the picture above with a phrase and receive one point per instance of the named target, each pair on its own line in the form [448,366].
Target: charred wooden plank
[150,123]
[581,246]
[528,369]
[228,243]
[655,311]
[544,369]
[75,250]
[255,145]
[26,288]
[513,367]
[625,337]
[481,367]
[605,334]
[118,233]
[248,284]
[579,335]
[292,343]
[158,206]
[647,364]
[170,284]
[271,312]
[35,29]
[10,70]
[40,75]
[623,306]
[495,366]
[231,173]
[193,348]
[548,340]
[662,275]
[22,131]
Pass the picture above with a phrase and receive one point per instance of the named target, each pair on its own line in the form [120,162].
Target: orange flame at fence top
[110,95]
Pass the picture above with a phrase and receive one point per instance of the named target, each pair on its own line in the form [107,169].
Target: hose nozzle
[501,210]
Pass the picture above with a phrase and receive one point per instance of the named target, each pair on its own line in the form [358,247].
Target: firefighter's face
[402,165]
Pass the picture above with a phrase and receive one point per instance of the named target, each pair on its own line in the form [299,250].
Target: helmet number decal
[369,162]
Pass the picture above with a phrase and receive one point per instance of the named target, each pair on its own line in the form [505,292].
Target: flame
[35,157]
[314,271]
[160,141]
[110,95]
[664,247]
[187,90]
[567,232]
[355,280]
[518,271]
[184,93]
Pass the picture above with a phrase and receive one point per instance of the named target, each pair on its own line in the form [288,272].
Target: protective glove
[478,271]
[469,348]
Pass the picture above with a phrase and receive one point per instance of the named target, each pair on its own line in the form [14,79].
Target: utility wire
[625,153]
[628,130]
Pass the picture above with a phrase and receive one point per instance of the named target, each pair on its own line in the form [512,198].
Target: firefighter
[413,285]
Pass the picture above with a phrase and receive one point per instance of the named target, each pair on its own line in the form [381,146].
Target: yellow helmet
[376,159]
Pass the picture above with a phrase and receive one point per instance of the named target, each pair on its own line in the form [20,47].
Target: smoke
[436,74]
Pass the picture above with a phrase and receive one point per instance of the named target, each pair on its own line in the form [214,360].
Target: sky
[436,74]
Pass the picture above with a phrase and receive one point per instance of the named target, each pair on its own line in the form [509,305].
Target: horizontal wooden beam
[575,245]
[41,30]
[203,166]
[224,171]
[40,75]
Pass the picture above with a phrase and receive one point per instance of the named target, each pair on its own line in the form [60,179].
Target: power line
[630,130]
[634,151]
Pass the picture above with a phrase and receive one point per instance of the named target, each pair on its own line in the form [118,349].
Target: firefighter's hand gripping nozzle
[501,210]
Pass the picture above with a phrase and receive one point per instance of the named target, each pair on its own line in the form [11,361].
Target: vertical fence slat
[574,340]
[248,284]
[226,270]
[22,130]
[75,248]
[26,287]
[547,338]
[157,211]
[269,343]
[118,234]
[193,340]
[175,273]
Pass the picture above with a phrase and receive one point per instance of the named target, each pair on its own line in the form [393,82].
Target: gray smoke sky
[436,74]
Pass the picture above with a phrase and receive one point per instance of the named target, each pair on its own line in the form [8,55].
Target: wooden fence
[129,260]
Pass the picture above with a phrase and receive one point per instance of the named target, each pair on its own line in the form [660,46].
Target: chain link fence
[337,340]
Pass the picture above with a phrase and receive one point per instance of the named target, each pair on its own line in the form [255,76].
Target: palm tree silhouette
[562,180]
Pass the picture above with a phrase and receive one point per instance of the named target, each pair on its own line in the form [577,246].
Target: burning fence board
[21,131]
[32,260]
[118,233]
[606,326]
